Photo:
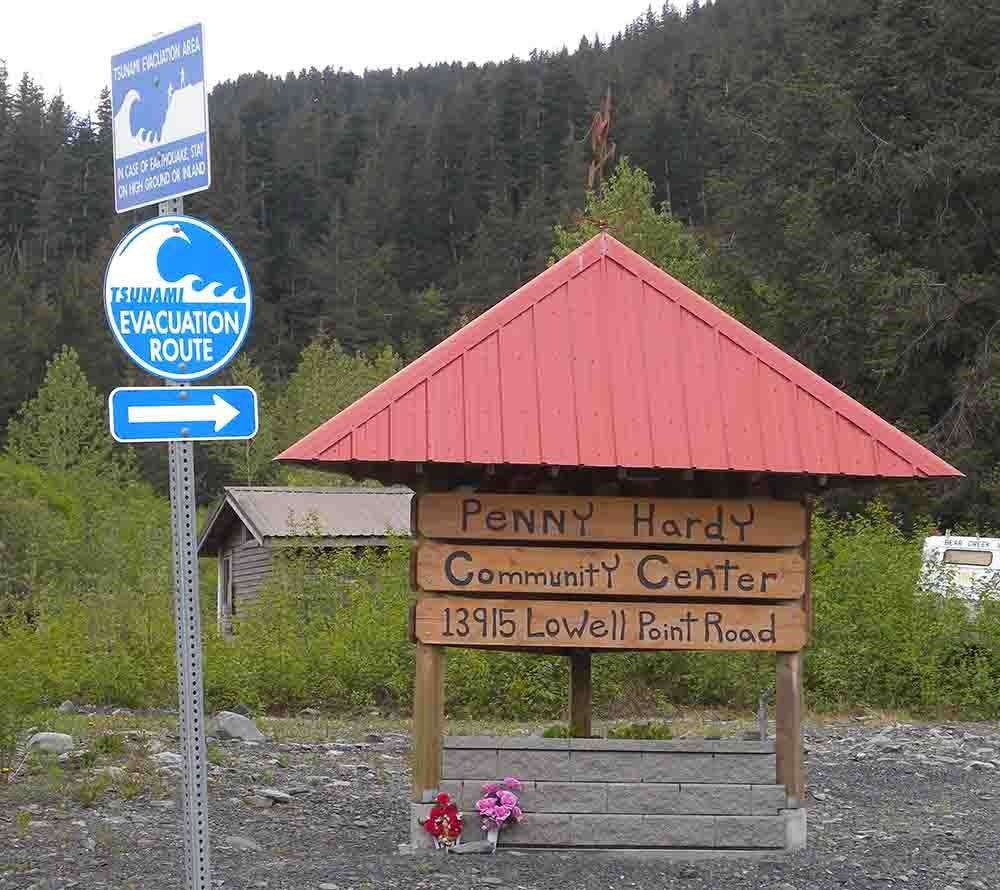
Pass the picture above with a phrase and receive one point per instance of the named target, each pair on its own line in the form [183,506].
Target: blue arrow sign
[160,124]
[176,414]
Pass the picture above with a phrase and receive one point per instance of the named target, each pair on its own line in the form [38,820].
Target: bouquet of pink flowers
[499,806]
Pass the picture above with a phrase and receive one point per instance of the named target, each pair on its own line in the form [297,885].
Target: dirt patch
[318,806]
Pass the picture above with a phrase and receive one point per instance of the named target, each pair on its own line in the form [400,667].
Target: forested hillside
[839,161]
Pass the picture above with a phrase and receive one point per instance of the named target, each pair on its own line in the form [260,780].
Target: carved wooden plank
[453,621]
[467,568]
[756,522]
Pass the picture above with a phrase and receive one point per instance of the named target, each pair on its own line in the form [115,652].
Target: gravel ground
[897,805]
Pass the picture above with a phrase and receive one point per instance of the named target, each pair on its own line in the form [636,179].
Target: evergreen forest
[829,171]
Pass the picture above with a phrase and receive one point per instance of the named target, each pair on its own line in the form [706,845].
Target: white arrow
[221,412]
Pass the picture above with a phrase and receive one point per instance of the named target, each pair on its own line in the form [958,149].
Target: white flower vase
[492,836]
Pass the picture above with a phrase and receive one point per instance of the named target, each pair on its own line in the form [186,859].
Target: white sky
[67,44]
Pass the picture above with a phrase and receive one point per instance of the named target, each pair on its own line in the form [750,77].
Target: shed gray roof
[327,514]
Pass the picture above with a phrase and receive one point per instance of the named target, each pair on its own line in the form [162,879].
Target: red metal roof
[604,360]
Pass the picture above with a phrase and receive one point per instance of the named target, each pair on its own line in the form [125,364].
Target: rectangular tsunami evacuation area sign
[160,120]
[182,414]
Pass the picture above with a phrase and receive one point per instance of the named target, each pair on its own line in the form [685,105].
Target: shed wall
[251,567]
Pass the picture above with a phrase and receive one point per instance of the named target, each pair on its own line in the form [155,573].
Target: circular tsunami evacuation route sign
[178,298]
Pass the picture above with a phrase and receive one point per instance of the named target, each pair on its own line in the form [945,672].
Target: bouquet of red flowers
[444,823]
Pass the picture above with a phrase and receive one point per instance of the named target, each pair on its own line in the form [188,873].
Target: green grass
[88,727]
[109,743]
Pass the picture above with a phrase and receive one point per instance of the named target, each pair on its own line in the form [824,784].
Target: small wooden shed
[606,460]
[251,522]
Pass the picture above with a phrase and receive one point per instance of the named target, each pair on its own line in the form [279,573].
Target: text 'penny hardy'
[759,522]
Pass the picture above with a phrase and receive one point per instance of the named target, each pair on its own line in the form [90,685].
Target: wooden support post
[579,695]
[788,732]
[428,722]
[807,600]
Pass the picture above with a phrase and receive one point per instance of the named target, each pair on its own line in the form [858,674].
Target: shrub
[330,628]
[559,731]
[21,688]
[91,619]
[880,639]
[109,743]
[648,730]
[91,789]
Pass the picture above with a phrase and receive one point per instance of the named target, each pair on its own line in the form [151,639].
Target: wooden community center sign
[563,386]
[609,572]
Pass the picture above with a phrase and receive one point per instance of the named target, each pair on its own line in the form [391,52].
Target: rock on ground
[229,725]
[242,843]
[168,758]
[51,742]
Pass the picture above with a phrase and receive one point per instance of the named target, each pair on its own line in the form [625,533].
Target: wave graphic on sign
[161,116]
[185,257]
[203,265]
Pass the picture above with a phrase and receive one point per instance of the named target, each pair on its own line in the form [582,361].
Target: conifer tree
[327,380]
[249,462]
[64,426]
[624,206]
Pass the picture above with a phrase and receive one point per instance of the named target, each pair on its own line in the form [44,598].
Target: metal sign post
[187,608]
[190,681]
[178,301]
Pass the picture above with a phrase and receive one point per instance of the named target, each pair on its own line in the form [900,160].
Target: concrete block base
[795,829]
[687,795]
